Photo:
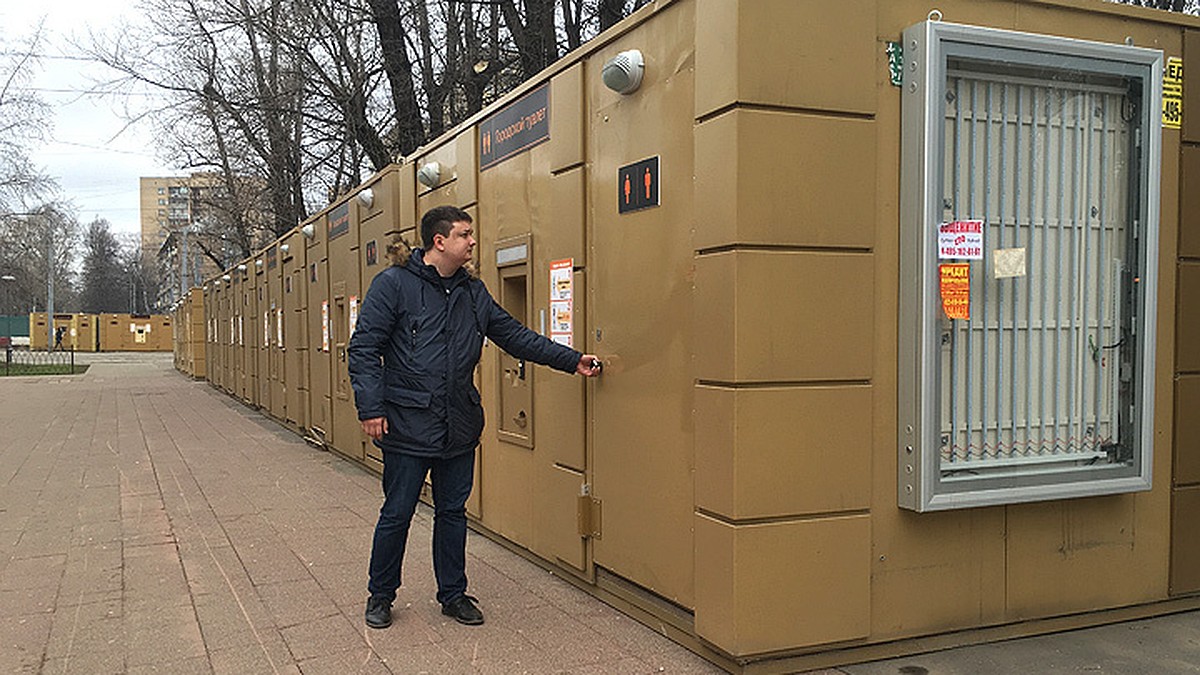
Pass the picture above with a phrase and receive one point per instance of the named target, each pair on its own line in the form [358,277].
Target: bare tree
[30,242]
[23,123]
[1182,6]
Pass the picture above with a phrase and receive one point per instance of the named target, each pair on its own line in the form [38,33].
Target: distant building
[173,210]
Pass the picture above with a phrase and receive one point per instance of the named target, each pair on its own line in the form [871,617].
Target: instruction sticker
[353,313]
[961,239]
[955,285]
[562,300]
[1172,94]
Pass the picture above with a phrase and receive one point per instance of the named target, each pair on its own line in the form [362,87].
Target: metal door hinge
[588,514]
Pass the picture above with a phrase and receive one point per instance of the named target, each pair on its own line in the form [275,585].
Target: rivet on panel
[908,429]
[912,87]
[908,489]
[908,469]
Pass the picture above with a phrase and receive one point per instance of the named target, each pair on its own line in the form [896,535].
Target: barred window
[1029,234]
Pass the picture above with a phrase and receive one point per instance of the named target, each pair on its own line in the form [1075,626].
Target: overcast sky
[96,162]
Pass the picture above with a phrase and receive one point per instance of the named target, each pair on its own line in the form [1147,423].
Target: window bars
[1047,150]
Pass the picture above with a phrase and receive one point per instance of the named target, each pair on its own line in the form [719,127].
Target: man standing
[412,361]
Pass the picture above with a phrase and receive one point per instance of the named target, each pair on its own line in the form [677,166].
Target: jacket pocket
[408,398]
[413,424]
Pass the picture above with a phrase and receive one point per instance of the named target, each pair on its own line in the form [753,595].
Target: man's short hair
[440,220]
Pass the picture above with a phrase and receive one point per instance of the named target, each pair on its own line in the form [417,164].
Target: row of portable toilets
[273,330]
[748,225]
[102,332]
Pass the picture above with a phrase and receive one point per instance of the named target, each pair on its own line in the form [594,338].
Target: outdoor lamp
[429,174]
[623,72]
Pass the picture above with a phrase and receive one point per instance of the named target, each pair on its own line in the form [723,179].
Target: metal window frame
[927,47]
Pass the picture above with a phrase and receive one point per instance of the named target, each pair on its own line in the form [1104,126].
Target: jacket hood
[400,253]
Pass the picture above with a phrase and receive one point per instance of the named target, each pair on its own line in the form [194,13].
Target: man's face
[458,246]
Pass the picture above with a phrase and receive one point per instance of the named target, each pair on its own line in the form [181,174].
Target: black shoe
[379,612]
[463,610]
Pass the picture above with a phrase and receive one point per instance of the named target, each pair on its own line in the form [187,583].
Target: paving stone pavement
[151,524]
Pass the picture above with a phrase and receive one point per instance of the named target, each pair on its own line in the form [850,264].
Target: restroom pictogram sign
[637,185]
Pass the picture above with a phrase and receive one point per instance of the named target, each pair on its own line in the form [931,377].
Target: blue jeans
[403,476]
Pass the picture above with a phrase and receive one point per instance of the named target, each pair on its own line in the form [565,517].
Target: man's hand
[375,427]
[588,366]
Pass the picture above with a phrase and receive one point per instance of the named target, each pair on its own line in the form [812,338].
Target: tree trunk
[410,133]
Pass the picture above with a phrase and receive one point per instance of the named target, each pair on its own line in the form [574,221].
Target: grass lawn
[40,369]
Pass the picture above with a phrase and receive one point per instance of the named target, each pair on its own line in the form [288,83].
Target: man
[412,361]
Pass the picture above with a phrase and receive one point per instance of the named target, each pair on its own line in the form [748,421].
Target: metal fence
[28,362]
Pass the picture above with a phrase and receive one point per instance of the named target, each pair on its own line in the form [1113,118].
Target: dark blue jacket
[413,354]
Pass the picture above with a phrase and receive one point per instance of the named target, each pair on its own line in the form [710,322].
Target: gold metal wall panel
[560,425]
[319,337]
[827,63]
[782,451]
[1080,554]
[446,155]
[933,572]
[784,316]
[292,263]
[1185,549]
[345,296]
[777,178]
[1189,198]
[567,118]
[251,333]
[1187,318]
[1191,95]
[782,585]
[507,489]
[1187,431]
[568,212]
[444,194]
[467,167]
[556,529]
[639,288]
[263,330]
[276,325]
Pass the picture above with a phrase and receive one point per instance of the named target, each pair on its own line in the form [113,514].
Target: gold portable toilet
[212,358]
[38,334]
[86,336]
[388,211]
[239,303]
[263,331]
[447,173]
[319,339]
[274,333]
[163,333]
[842,414]
[294,344]
[342,222]
[228,333]
[534,260]
[251,332]
[196,334]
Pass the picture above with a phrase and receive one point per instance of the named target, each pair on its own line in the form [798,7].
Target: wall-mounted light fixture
[283,248]
[429,174]
[242,267]
[623,72]
[227,277]
[366,197]
[258,263]
[308,231]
